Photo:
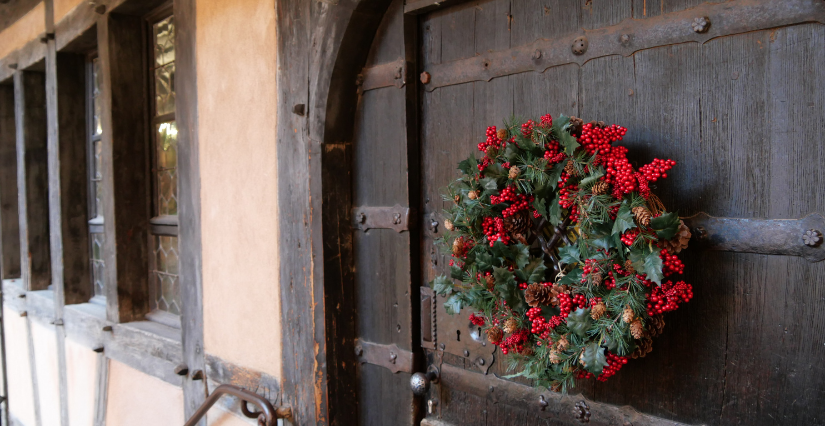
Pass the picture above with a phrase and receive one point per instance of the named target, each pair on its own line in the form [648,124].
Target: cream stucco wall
[137,399]
[81,379]
[236,109]
[220,417]
[45,358]
[27,28]
[21,402]
[63,7]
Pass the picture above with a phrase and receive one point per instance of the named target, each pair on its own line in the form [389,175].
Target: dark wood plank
[73,207]
[125,166]
[189,202]
[9,219]
[32,178]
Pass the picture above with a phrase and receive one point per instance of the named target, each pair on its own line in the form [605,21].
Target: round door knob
[420,382]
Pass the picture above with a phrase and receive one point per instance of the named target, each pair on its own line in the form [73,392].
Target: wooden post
[125,167]
[9,220]
[32,178]
[189,202]
[73,184]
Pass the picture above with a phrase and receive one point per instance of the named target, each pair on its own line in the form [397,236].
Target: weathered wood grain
[9,220]
[189,202]
[32,178]
[73,175]
[125,179]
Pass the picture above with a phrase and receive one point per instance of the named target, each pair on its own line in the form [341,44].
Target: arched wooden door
[733,91]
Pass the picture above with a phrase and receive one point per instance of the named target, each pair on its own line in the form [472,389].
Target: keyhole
[479,333]
[458,335]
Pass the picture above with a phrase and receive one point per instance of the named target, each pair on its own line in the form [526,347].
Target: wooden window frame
[159,225]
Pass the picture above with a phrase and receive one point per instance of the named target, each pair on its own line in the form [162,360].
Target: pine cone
[490,280]
[570,168]
[502,134]
[576,126]
[598,310]
[627,315]
[448,225]
[680,241]
[494,335]
[637,330]
[514,172]
[598,124]
[600,187]
[458,247]
[537,295]
[628,266]
[510,326]
[527,351]
[642,215]
[555,387]
[491,152]
[554,357]
[472,195]
[656,326]
[457,199]
[643,347]
[562,344]
[518,223]
[555,292]
[596,277]
[581,360]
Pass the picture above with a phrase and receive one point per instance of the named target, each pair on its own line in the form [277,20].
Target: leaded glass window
[95,130]
[164,287]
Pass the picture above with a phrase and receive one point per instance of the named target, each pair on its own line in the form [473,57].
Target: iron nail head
[425,77]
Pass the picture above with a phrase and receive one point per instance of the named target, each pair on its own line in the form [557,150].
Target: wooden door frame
[322,46]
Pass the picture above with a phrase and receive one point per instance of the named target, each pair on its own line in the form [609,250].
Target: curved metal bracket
[266,417]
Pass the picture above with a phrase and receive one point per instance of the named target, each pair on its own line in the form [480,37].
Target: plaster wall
[137,399]
[18,367]
[236,67]
[81,378]
[45,358]
[27,28]
[217,416]
[63,7]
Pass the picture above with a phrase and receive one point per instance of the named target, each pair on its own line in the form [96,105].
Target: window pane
[96,126]
[166,282]
[165,89]
[98,174]
[98,266]
[167,161]
[164,34]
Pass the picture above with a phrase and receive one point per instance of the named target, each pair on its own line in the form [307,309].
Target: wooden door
[733,91]
[737,99]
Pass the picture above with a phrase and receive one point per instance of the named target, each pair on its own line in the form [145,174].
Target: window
[164,285]
[95,132]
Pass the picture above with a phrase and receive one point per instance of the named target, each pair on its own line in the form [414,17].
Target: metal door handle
[420,382]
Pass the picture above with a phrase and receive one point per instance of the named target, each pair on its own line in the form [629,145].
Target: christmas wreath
[560,249]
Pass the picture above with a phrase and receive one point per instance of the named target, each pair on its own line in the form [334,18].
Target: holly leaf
[606,242]
[484,261]
[648,263]
[507,288]
[468,166]
[501,250]
[442,285]
[579,321]
[624,219]
[569,254]
[522,254]
[511,152]
[555,174]
[610,343]
[456,273]
[453,304]
[572,277]
[666,225]
[594,358]
[520,275]
[540,204]
[554,212]
[489,183]
[568,141]
[537,274]
[560,123]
